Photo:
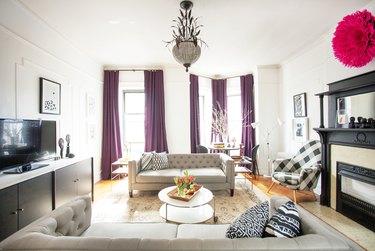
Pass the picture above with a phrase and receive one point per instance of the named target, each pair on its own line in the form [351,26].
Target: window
[234,118]
[133,122]
[233,110]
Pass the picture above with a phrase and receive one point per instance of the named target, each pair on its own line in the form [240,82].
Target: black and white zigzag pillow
[251,223]
[159,161]
[285,222]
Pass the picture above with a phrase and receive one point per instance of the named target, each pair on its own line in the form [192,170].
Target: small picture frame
[300,129]
[299,102]
[50,97]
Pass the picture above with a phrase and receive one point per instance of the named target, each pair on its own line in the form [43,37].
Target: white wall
[310,71]
[29,50]
[267,110]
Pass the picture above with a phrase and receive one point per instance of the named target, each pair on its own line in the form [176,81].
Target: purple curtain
[194,113]
[155,132]
[111,148]
[247,108]
[219,97]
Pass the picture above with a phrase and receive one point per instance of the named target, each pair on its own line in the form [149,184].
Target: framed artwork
[299,102]
[90,105]
[50,97]
[300,129]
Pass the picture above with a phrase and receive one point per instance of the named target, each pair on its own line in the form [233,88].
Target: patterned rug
[116,206]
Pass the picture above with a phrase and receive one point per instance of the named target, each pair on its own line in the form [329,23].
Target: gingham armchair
[300,172]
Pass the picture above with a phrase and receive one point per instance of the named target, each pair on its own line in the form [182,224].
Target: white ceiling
[240,33]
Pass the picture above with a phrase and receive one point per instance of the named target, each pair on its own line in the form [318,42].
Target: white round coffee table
[196,210]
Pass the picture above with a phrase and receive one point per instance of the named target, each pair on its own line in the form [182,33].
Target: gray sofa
[213,171]
[68,228]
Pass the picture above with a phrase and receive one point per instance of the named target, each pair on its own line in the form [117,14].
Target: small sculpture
[363,123]
[61,145]
[67,138]
[352,122]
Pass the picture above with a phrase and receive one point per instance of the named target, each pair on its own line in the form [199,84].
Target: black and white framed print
[299,102]
[50,97]
[300,129]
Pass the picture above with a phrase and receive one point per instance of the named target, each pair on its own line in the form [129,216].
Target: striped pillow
[285,222]
[146,161]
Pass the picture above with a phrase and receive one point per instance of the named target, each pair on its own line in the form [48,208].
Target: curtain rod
[237,76]
[133,70]
[140,69]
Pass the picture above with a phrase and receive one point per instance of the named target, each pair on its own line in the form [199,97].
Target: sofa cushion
[251,223]
[285,222]
[202,231]
[288,178]
[159,161]
[158,176]
[208,175]
[132,230]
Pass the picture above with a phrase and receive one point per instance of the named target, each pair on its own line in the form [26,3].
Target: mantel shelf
[344,129]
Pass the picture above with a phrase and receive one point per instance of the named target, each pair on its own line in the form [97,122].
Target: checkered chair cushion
[288,178]
[302,171]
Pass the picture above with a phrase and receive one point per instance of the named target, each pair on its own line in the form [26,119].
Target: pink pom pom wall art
[354,39]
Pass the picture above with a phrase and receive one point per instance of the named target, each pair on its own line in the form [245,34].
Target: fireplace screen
[355,193]
[358,189]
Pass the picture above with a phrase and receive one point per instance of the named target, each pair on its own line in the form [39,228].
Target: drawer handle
[14,212]
[20,209]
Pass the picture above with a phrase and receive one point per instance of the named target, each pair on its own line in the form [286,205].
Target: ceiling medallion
[186,44]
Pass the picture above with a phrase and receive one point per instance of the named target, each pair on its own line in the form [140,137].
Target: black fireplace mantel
[354,137]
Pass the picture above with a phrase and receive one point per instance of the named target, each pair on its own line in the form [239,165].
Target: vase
[180,191]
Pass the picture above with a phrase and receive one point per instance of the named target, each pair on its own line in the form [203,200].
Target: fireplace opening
[355,193]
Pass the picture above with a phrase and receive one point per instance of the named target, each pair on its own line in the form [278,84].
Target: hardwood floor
[263,183]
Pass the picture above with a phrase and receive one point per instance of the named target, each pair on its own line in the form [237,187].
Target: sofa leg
[232,192]
[131,193]
[269,189]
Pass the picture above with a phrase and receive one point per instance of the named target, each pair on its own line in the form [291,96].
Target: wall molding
[48,54]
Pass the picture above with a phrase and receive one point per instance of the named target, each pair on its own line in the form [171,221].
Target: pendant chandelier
[186,49]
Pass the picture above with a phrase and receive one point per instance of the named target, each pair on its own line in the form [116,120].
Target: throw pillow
[159,161]
[285,222]
[146,161]
[251,223]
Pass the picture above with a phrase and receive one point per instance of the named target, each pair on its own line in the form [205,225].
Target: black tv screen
[26,141]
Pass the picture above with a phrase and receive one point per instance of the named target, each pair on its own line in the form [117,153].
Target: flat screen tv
[26,141]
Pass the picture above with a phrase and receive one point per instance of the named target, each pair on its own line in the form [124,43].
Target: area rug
[116,206]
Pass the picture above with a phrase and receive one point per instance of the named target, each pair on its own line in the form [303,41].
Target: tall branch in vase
[220,122]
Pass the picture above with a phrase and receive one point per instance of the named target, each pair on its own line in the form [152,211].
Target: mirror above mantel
[352,97]
[359,105]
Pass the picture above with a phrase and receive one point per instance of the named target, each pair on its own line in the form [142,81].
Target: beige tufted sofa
[214,171]
[69,228]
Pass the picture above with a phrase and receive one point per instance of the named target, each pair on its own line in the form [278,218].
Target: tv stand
[27,196]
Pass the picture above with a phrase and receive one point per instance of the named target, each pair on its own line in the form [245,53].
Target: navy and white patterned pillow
[285,222]
[146,161]
[251,223]
[159,161]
